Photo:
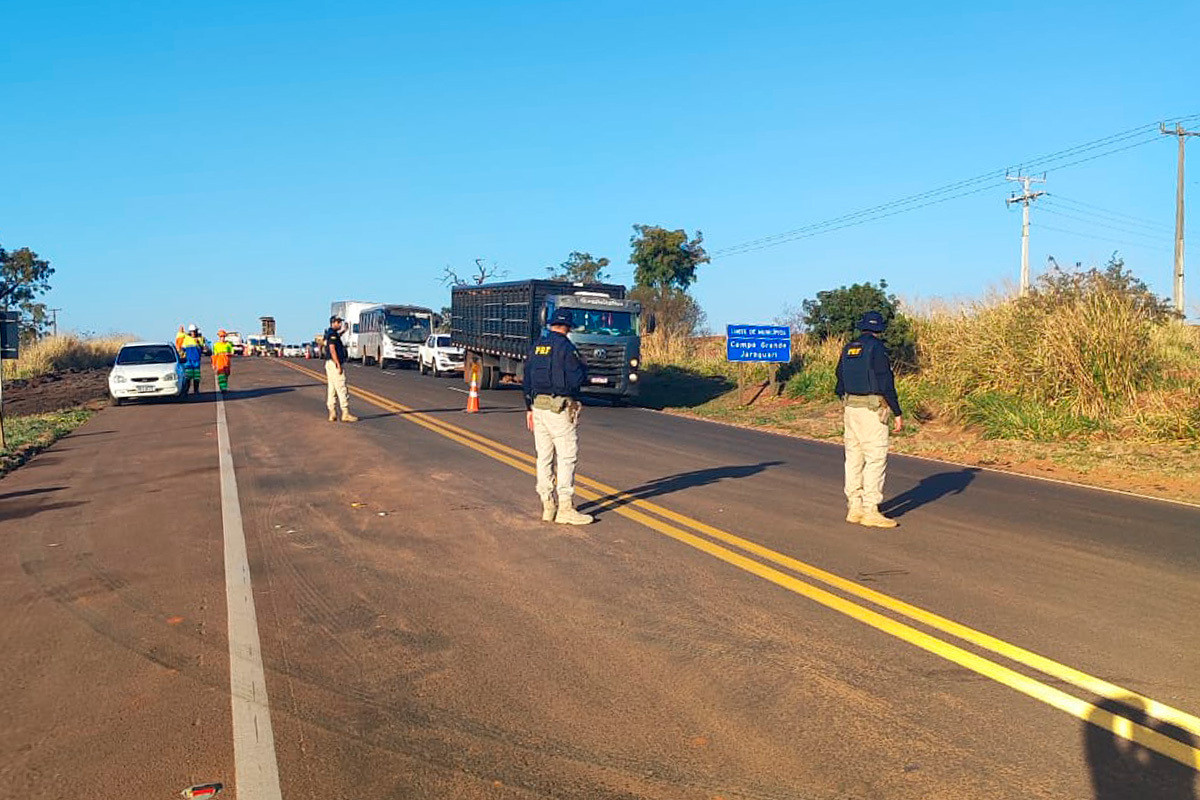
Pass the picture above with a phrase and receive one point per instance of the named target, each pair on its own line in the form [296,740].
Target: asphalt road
[719,632]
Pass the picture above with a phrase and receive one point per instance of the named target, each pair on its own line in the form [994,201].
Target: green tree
[665,258]
[835,313]
[580,268]
[23,278]
[665,263]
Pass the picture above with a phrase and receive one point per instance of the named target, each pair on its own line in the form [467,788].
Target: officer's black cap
[872,321]
[335,318]
[562,316]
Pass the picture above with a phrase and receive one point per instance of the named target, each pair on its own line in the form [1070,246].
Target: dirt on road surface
[47,393]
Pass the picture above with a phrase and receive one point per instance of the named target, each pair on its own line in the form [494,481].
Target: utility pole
[1182,135]
[1025,198]
[54,319]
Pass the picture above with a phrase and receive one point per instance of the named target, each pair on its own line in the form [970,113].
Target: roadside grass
[27,436]
[1088,385]
[64,353]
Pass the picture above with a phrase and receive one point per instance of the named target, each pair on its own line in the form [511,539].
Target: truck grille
[603,359]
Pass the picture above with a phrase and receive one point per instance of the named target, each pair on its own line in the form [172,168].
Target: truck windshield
[406,328]
[604,323]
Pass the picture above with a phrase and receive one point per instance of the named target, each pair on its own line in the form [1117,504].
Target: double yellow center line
[713,541]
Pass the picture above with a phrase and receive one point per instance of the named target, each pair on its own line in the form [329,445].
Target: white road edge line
[255,765]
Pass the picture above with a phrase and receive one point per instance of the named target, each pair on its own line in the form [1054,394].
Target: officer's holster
[550,402]
[875,402]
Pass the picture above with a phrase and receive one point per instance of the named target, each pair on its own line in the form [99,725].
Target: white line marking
[456,389]
[257,771]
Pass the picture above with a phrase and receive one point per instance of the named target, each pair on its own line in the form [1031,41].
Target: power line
[1157,236]
[1103,238]
[1142,133]
[1076,207]
[851,223]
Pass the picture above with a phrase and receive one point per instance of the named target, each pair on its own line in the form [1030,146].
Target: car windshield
[406,328]
[604,323]
[147,354]
[442,341]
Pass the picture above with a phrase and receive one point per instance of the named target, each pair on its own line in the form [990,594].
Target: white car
[438,356]
[146,369]
[292,351]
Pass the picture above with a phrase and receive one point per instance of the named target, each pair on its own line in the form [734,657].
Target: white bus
[391,334]
[350,311]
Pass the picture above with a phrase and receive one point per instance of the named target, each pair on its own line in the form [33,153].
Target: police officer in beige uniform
[335,371]
[553,376]
[868,390]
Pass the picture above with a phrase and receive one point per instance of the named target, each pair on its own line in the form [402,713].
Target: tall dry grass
[1091,361]
[62,353]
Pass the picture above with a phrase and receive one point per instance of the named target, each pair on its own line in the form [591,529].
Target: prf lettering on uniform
[854,352]
[542,349]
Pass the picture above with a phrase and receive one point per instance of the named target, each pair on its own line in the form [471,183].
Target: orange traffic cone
[473,397]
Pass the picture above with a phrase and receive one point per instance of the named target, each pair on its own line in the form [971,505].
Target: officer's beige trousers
[335,387]
[866,456]
[554,435]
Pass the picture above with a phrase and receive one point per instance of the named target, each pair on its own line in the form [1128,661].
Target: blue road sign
[758,343]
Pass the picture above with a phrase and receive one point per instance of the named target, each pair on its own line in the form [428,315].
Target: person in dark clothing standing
[335,371]
[868,390]
[554,374]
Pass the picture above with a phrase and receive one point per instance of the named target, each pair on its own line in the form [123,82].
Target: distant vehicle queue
[492,328]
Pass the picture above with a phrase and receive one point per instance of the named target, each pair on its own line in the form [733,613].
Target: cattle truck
[497,323]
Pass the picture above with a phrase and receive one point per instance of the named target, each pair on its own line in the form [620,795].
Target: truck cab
[607,333]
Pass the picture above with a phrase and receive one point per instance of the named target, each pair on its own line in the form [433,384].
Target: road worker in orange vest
[222,359]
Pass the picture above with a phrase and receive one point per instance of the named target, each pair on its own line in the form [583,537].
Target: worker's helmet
[192,328]
[562,316]
[872,321]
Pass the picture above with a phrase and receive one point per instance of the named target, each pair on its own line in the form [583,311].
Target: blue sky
[216,162]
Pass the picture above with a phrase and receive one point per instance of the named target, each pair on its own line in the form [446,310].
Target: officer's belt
[550,402]
[871,401]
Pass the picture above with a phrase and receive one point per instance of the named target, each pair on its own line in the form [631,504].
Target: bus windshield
[406,328]
[602,322]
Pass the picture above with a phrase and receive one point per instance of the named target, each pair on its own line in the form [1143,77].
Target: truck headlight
[170,376]
[633,362]
[633,377]
[118,379]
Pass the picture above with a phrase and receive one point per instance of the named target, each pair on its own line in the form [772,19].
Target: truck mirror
[651,323]
[542,316]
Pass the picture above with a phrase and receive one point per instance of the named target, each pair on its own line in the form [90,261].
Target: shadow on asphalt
[674,483]
[929,490]
[29,492]
[25,510]
[1125,770]
[241,394]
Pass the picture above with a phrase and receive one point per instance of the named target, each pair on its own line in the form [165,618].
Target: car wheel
[434,369]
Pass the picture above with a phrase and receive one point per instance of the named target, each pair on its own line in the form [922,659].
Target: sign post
[746,344]
[10,346]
